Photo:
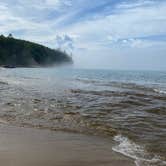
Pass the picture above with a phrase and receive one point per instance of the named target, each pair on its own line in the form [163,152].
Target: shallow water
[128,106]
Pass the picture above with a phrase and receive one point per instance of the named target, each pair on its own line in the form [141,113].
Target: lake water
[127,106]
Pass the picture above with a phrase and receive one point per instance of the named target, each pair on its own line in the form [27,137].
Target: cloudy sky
[116,34]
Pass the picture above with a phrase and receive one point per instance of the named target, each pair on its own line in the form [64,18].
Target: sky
[108,34]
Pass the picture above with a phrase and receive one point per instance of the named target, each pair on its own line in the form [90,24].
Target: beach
[26,146]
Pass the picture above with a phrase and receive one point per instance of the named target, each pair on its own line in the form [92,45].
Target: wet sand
[34,147]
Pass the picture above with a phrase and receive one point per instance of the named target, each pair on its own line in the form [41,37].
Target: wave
[11,81]
[136,152]
[118,85]
[160,91]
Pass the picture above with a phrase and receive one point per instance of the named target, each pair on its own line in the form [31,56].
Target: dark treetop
[21,53]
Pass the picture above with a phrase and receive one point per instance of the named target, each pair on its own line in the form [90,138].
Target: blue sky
[116,34]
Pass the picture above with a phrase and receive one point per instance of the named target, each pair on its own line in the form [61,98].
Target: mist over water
[127,106]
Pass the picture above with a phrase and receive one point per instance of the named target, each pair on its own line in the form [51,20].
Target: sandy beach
[24,146]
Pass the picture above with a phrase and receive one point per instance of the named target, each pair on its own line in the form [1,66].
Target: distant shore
[20,53]
[25,146]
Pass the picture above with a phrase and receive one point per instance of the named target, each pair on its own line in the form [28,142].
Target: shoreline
[21,146]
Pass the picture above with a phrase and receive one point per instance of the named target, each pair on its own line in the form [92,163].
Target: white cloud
[142,43]
[65,42]
[136,4]
[131,23]
[52,2]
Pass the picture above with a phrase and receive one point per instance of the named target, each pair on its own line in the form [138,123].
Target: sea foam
[136,152]
[160,91]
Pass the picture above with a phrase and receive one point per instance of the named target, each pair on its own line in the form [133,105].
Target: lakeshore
[25,146]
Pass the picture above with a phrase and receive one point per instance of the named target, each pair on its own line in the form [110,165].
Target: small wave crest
[136,152]
[160,91]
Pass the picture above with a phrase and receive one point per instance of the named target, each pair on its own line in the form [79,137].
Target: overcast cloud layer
[117,34]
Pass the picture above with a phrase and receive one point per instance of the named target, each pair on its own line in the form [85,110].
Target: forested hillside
[21,53]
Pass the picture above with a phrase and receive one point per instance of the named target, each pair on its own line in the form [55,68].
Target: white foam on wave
[160,91]
[136,152]
[11,81]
